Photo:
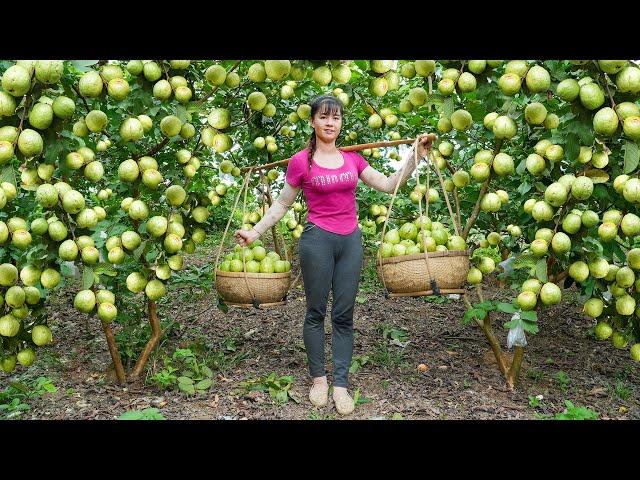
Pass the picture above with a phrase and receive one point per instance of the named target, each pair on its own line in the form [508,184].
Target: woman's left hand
[425,142]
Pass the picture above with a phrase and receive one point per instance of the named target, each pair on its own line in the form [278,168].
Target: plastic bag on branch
[507,265]
[516,335]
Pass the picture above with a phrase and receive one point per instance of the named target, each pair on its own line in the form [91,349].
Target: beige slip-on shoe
[344,402]
[319,394]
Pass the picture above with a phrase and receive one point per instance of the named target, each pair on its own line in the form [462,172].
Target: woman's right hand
[424,143]
[246,237]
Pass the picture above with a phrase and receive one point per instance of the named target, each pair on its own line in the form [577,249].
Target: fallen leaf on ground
[598,391]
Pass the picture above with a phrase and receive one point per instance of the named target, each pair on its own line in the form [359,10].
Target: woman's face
[327,125]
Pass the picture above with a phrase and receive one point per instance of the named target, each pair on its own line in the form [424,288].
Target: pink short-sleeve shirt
[330,192]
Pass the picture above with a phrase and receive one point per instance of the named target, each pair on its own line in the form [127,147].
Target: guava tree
[110,180]
[537,151]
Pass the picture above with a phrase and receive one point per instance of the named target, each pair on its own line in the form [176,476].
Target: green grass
[535,375]
[571,412]
[622,390]
[563,381]
[386,357]
[438,299]
[14,400]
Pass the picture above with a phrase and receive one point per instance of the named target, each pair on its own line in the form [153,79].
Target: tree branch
[155,149]
[606,84]
[84,100]
[476,208]
[24,114]
[364,100]
[232,95]
[483,190]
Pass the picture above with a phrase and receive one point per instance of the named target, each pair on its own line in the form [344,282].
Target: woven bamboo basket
[409,273]
[424,273]
[267,288]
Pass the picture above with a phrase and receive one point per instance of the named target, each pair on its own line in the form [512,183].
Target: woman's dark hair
[324,104]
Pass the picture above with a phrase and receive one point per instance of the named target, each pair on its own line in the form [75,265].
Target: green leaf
[185,380]
[448,106]
[529,316]
[181,113]
[524,187]
[541,187]
[8,175]
[152,414]
[541,270]
[282,396]
[362,64]
[83,65]
[187,388]
[105,269]
[204,384]
[20,386]
[479,313]
[513,323]
[597,176]
[525,260]
[183,353]
[137,253]
[223,307]
[131,415]
[54,150]
[486,305]
[631,157]
[66,270]
[87,277]
[506,307]
[618,252]
[589,285]
[576,413]
[572,147]
[477,110]
[583,130]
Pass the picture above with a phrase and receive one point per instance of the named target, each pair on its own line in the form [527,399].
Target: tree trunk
[514,371]
[154,321]
[115,354]
[494,344]
[511,372]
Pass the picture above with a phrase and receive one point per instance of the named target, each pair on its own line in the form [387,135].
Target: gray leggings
[330,261]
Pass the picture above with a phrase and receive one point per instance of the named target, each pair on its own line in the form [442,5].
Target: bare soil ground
[461,382]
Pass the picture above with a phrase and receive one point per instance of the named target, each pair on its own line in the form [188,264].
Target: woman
[330,247]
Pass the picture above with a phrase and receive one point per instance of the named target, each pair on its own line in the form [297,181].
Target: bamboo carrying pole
[349,148]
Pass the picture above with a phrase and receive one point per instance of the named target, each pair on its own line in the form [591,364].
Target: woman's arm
[379,181]
[273,216]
